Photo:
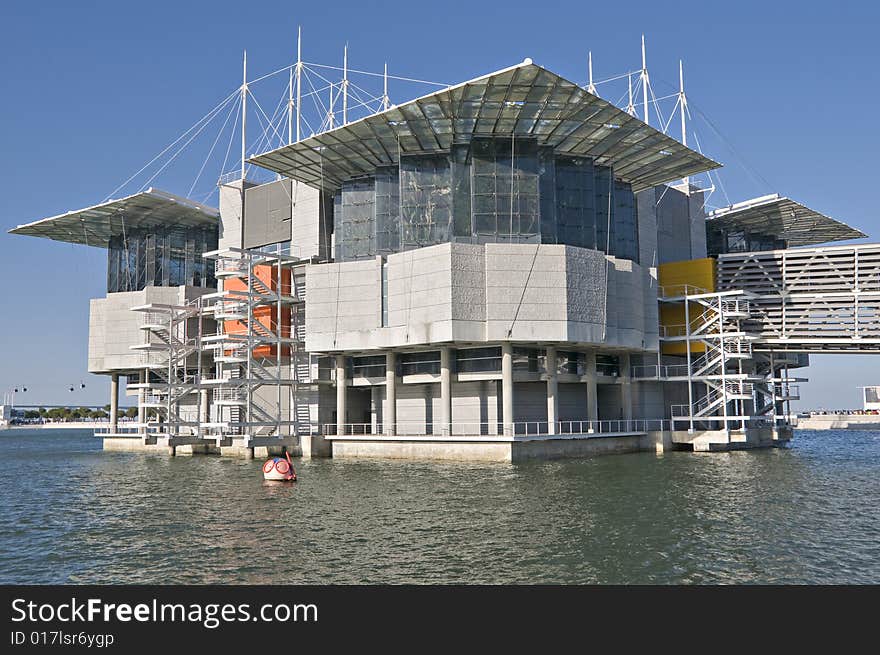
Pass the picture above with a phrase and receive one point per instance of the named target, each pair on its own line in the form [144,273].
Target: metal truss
[810,299]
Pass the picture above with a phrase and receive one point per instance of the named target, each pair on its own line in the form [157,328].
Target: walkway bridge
[809,300]
[767,311]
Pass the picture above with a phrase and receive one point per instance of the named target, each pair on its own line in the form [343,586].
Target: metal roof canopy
[784,219]
[525,100]
[93,226]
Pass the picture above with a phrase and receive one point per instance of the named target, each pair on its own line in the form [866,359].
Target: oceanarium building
[508,268]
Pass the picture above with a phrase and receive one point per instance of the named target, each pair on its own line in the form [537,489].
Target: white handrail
[519,428]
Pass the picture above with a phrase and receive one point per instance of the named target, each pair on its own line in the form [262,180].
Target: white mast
[345,85]
[244,91]
[590,86]
[299,64]
[290,108]
[644,79]
[630,107]
[682,107]
[386,101]
[682,103]
[330,121]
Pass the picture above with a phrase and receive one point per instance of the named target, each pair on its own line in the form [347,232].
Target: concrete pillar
[552,390]
[340,394]
[390,415]
[507,388]
[445,391]
[592,390]
[375,408]
[626,387]
[142,411]
[204,407]
[114,402]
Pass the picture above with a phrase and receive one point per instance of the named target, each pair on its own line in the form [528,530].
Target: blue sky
[93,90]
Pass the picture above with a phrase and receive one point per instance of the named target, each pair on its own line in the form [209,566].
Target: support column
[592,387]
[375,408]
[626,386]
[445,391]
[507,388]
[114,402]
[390,416]
[142,411]
[204,408]
[340,394]
[552,390]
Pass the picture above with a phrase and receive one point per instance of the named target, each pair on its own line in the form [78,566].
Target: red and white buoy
[279,469]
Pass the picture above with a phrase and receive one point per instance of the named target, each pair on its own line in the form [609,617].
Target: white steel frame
[242,381]
[736,385]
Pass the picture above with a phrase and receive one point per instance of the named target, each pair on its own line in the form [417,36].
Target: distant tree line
[77,413]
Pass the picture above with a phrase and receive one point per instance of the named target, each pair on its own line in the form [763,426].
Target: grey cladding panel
[267,214]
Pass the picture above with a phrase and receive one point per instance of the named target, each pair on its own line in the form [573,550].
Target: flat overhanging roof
[784,219]
[93,226]
[524,101]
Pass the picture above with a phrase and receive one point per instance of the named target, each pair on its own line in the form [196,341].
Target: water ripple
[807,514]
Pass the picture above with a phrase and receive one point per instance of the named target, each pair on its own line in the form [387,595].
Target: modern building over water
[511,267]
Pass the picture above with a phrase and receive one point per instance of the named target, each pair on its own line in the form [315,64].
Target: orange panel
[266,314]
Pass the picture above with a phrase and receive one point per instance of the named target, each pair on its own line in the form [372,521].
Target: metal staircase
[230,363]
[171,361]
[257,383]
[720,373]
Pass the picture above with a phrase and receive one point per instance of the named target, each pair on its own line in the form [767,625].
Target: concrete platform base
[136,444]
[490,448]
[262,447]
[840,422]
[196,449]
[158,445]
[493,448]
[315,445]
[706,441]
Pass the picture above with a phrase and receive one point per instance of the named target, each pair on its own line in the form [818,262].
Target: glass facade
[356,206]
[490,191]
[425,201]
[419,363]
[162,258]
[478,360]
[505,190]
[725,240]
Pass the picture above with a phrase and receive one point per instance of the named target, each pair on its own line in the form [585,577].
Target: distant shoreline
[71,425]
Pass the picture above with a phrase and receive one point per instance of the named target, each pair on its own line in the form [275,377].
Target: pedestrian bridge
[809,300]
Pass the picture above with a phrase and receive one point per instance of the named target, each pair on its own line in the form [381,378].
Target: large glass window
[575,202]
[626,224]
[569,362]
[371,366]
[608,365]
[356,219]
[420,363]
[169,257]
[425,201]
[505,189]
[478,360]
[387,210]
[604,181]
[487,191]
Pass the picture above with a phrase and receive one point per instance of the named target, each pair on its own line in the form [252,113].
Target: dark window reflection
[164,258]
[493,190]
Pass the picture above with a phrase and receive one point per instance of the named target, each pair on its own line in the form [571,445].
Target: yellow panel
[699,273]
[695,272]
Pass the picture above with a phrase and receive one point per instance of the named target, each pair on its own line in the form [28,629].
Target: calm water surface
[807,514]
